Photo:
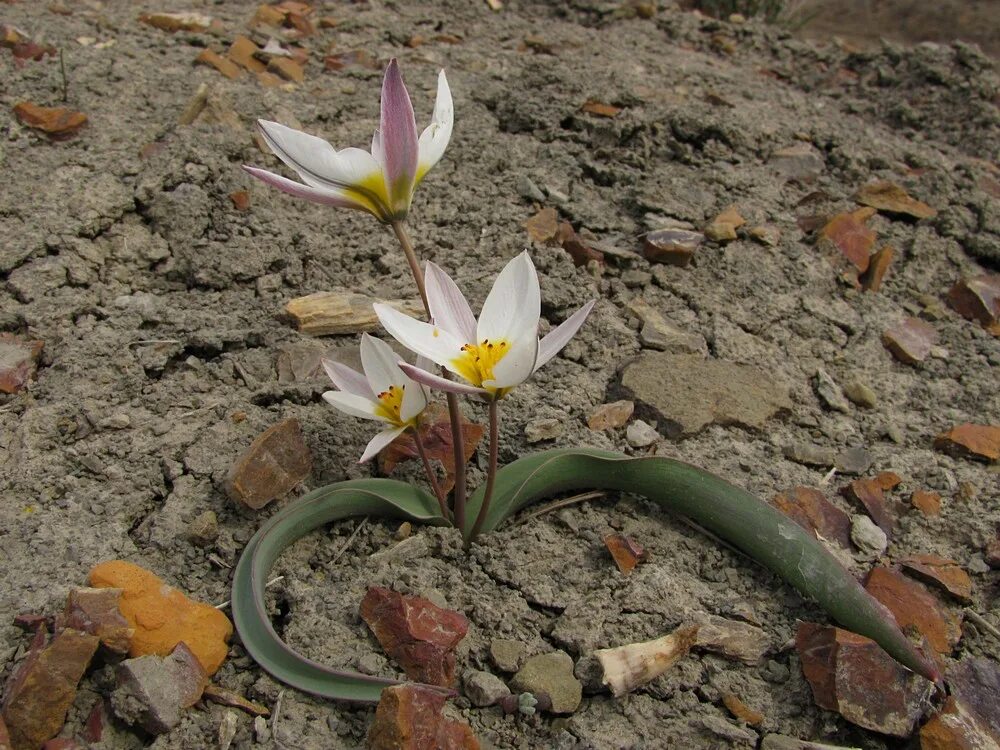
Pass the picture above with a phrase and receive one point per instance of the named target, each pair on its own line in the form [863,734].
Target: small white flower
[384,393]
[381,182]
[495,353]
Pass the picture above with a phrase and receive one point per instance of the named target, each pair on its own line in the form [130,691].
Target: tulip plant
[485,359]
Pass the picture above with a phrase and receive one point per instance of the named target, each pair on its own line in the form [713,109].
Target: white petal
[414,400]
[423,363]
[431,341]
[356,406]
[379,362]
[328,196]
[434,140]
[316,161]
[449,308]
[516,365]
[347,379]
[379,442]
[377,146]
[514,304]
[558,337]
[441,384]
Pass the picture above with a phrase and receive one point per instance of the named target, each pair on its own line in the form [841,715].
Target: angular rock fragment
[177,21]
[846,238]
[741,710]
[96,611]
[914,607]
[484,688]
[853,676]
[276,461]
[731,638]
[552,675]
[162,616]
[977,298]
[942,572]
[891,198]
[416,633]
[956,727]
[610,416]
[658,333]
[856,460]
[342,312]
[287,69]
[869,493]
[408,717]
[861,395]
[546,428]
[810,509]
[911,341]
[152,691]
[580,250]
[243,52]
[723,227]
[640,434]
[57,122]
[506,654]
[632,666]
[766,235]
[222,64]
[225,697]
[927,502]
[543,227]
[975,682]
[868,537]
[977,441]
[829,392]
[626,552]
[43,688]
[18,361]
[871,280]
[808,454]
[800,161]
[674,247]
[687,392]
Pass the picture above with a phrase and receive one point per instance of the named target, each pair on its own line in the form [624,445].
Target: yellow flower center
[476,362]
[391,404]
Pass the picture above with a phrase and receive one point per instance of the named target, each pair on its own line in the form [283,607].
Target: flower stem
[453,411]
[491,474]
[431,476]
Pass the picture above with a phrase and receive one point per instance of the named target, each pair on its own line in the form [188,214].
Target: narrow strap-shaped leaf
[377,497]
[756,528]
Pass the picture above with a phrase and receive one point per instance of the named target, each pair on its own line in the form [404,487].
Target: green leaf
[733,514]
[376,497]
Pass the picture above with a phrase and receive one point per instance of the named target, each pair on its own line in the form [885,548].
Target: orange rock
[58,122]
[242,52]
[287,69]
[927,502]
[163,616]
[891,198]
[595,107]
[741,710]
[941,571]
[976,441]
[846,237]
[222,64]
[914,607]
[877,266]
[955,727]
[626,552]
[409,717]
[240,199]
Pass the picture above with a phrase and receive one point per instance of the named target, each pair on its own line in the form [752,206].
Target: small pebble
[860,394]
[868,537]
[538,430]
[484,688]
[639,434]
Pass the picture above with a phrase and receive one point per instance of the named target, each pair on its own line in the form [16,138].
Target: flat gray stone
[551,674]
[687,392]
[484,688]
[829,392]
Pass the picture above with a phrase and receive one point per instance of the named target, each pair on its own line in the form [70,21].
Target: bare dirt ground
[161,308]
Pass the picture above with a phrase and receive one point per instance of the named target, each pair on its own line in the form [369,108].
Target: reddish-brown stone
[944,573]
[927,502]
[915,608]
[891,198]
[955,727]
[96,611]
[978,441]
[225,697]
[887,480]
[853,676]
[18,361]
[675,247]
[626,552]
[741,710]
[273,464]
[417,633]
[869,493]
[975,683]
[845,236]
[42,690]
[977,298]
[408,717]
[911,341]
[578,248]
[810,509]
[878,264]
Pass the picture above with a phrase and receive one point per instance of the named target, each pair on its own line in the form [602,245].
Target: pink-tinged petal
[325,196]
[514,304]
[431,341]
[347,379]
[434,140]
[398,129]
[379,362]
[356,406]
[449,308]
[441,384]
[379,442]
[517,364]
[558,337]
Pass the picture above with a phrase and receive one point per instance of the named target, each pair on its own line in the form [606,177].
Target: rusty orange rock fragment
[225,697]
[849,237]
[891,198]
[162,616]
[627,553]
[595,107]
[723,227]
[177,21]
[914,607]
[869,493]
[408,717]
[355,58]
[955,727]
[946,574]
[225,66]
[977,298]
[855,677]
[276,461]
[58,122]
[927,502]
[242,52]
[878,264]
[741,710]
[417,633]
[287,69]
[675,247]
[97,611]
[911,341]
[977,441]
[810,509]
[543,226]
[240,199]
[579,250]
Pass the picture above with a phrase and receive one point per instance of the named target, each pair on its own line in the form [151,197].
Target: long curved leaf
[756,528]
[378,497]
